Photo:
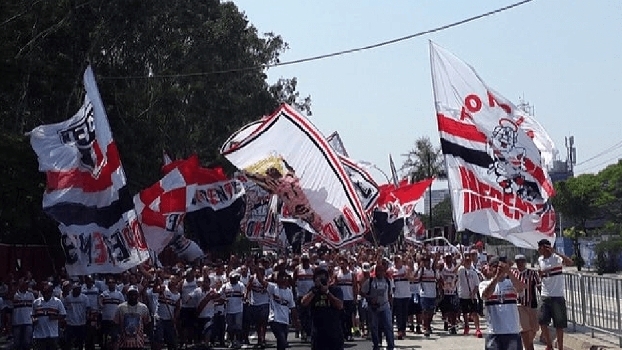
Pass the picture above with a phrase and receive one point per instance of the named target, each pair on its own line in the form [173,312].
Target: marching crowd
[326,297]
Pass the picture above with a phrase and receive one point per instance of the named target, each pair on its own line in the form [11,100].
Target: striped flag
[499,186]
[86,190]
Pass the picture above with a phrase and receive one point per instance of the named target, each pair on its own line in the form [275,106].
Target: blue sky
[563,56]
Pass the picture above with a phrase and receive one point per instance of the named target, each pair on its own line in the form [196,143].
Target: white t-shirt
[76,309]
[281,301]
[344,282]
[553,284]
[402,284]
[304,280]
[427,282]
[449,276]
[258,294]
[208,310]
[42,310]
[186,289]
[110,302]
[92,294]
[501,317]
[22,308]
[167,301]
[468,282]
[234,294]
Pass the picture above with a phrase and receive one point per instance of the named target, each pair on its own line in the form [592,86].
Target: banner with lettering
[162,207]
[86,190]
[217,208]
[289,157]
[499,186]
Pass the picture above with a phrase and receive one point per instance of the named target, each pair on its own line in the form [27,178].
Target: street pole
[430,192]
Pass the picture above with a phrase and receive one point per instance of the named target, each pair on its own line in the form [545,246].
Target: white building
[437,197]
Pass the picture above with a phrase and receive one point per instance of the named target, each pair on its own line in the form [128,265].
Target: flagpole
[451,196]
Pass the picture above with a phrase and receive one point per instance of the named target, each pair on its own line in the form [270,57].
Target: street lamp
[372,165]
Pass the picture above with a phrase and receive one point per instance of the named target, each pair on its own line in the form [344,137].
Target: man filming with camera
[325,303]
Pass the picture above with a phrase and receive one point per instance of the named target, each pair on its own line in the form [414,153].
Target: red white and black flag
[87,192]
[498,184]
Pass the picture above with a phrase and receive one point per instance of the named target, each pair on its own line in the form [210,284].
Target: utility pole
[430,191]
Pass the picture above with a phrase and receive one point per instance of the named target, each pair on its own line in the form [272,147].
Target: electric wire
[601,153]
[328,55]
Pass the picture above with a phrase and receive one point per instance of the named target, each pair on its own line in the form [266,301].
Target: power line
[333,54]
[601,153]
[603,162]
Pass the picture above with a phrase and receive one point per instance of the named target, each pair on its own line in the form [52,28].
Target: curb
[578,341]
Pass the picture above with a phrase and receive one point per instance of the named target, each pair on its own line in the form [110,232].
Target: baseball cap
[494,261]
[544,241]
[305,256]
[519,257]
[132,289]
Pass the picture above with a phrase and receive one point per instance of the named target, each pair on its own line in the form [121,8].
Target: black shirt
[326,319]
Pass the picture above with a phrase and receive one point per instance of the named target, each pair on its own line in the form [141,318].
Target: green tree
[423,161]
[578,200]
[150,60]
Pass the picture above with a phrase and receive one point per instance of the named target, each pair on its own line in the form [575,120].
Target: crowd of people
[326,298]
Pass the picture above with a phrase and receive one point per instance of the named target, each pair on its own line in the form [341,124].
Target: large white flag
[87,192]
[289,157]
[499,186]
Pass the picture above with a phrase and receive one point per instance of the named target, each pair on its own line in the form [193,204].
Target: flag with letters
[86,190]
[498,184]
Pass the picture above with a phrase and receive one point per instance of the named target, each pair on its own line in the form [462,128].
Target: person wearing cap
[500,294]
[233,294]
[325,303]
[132,317]
[303,279]
[527,301]
[553,306]
[77,306]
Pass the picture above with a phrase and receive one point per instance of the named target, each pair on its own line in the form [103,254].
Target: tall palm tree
[423,162]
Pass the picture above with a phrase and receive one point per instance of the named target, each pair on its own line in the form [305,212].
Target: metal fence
[594,302]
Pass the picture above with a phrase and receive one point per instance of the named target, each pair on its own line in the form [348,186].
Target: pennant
[363,182]
[303,170]
[162,207]
[334,140]
[394,176]
[498,184]
[86,190]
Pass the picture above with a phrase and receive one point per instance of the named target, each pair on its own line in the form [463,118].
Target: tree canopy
[168,72]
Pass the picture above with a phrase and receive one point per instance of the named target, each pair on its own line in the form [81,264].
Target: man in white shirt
[401,295]
[22,317]
[47,311]
[233,293]
[77,306]
[281,304]
[500,294]
[553,292]
[468,283]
